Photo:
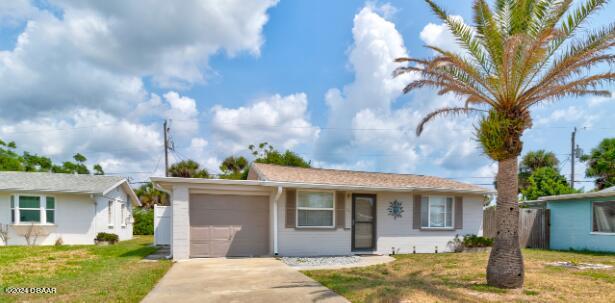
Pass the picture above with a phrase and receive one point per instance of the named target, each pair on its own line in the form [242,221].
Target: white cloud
[570,114]
[96,53]
[117,144]
[440,36]
[600,101]
[376,45]
[363,117]
[14,11]
[280,120]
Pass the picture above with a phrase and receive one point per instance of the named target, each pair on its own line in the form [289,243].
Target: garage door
[229,225]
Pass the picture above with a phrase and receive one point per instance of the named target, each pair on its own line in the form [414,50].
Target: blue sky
[311,76]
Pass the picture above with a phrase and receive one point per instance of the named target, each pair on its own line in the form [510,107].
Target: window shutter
[416,212]
[340,209]
[13,209]
[458,212]
[291,207]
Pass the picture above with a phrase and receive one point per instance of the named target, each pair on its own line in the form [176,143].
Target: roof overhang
[127,189]
[168,182]
[46,190]
[597,194]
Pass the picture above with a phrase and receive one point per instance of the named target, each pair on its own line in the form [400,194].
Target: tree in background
[516,55]
[601,164]
[188,169]
[534,160]
[150,196]
[10,160]
[546,181]
[98,170]
[234,167]
[265,153]
[77,167]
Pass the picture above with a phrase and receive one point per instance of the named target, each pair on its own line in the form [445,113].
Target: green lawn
[461,278]
[81,273]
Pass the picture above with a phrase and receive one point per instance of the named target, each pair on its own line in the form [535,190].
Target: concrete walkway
[238,280]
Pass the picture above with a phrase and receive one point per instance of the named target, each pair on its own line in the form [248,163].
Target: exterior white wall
[78,218]
[390,233]
[124,231]
[398,234]
[73,220]
[180,223]
[310,242]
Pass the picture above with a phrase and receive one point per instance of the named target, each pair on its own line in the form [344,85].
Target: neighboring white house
[70,207]
[292,211]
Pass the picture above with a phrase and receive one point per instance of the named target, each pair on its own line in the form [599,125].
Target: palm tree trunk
[505,268]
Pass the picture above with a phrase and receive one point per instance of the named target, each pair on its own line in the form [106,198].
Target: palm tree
[150,196]
[188,169]
[534,160]
[518,54]
[234,167]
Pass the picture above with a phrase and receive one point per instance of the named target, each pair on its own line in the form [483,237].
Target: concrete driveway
[238,280]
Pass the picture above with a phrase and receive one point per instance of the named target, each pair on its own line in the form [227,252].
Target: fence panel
[533,226]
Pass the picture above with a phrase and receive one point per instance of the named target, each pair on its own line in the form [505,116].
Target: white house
[66,207]
[292,211]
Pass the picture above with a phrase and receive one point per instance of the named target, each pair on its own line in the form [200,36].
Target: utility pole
[572,155]
[166,149]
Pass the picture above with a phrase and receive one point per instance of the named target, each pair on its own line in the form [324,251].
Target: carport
[221,218]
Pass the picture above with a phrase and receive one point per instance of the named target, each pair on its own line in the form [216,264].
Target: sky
[100,77]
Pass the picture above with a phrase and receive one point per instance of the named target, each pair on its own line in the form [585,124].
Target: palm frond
[464,35]
[444,111]
[578,88]
[486,27]
[581,55]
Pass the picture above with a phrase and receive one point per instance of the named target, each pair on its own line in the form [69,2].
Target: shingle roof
[269,172]
[50,182]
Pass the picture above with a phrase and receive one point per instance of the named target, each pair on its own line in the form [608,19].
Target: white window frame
[42,209]
[110,213]
[452,210]
[314,208]
[591,221]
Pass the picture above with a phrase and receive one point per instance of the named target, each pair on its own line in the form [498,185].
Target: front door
[363,222]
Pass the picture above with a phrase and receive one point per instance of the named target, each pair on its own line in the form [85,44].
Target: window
[110,212]
[436,212]
[50,209]
[123,213]
[315,209]
[604,217]
[26,209]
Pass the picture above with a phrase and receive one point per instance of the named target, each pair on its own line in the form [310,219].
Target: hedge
[144,221]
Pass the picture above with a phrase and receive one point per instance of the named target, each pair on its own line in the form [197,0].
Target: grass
[81,273]
[461,278]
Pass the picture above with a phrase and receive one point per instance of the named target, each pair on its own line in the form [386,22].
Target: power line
[103,125]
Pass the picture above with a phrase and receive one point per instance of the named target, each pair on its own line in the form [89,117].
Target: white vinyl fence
[162,225]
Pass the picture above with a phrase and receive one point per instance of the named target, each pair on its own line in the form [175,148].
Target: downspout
[170,193]
[275,220]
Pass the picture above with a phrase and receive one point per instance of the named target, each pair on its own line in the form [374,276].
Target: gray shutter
[340,209]
[291,206]
[458,212]
[416,212]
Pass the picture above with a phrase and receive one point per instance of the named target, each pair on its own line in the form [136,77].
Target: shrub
[144,222]
[476,241]
[456,245]
[107,237]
